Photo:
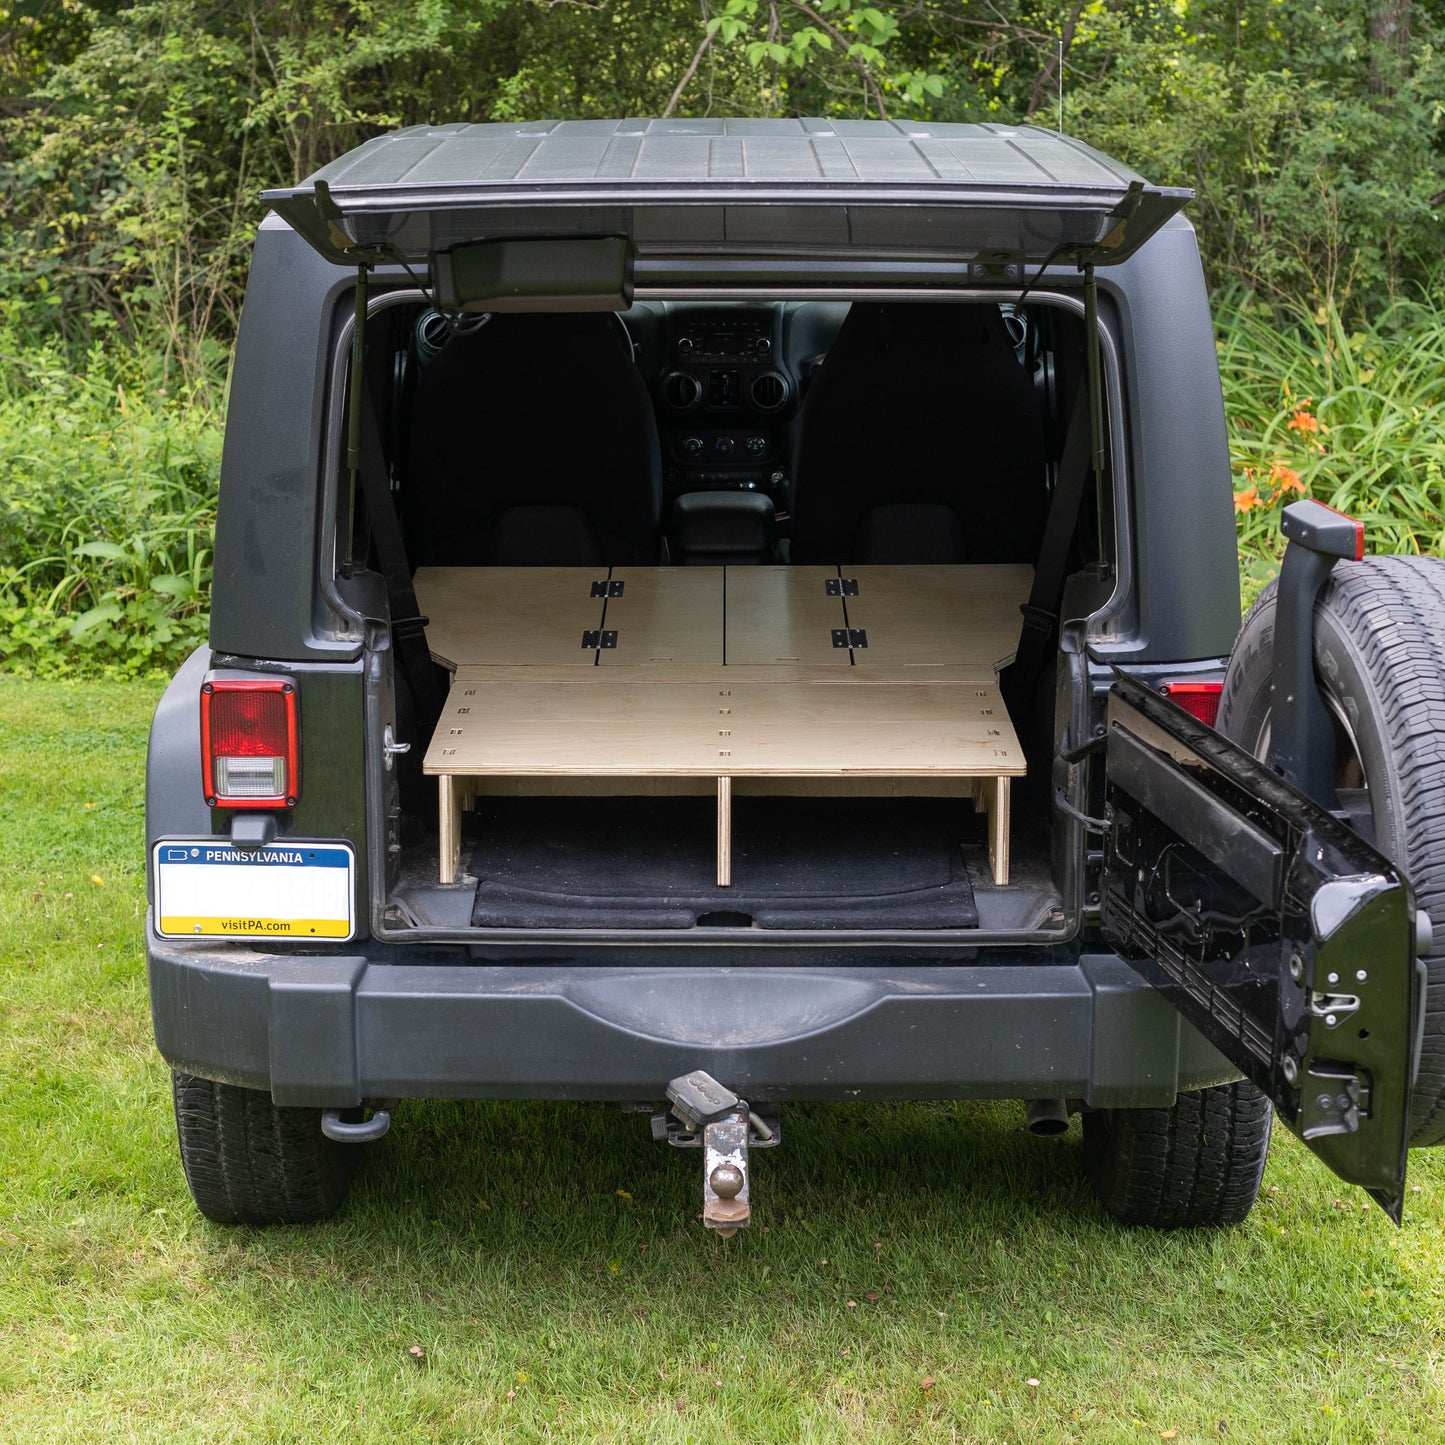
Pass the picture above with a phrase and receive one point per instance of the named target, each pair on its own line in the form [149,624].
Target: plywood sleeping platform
[776,679]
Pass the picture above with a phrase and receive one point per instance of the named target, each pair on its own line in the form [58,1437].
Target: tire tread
[1393,609]
[248,1161]
[1195,1165]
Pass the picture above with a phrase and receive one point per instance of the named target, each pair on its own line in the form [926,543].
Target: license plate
[208,888]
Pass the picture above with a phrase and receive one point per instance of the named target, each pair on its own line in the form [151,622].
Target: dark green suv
[716,613]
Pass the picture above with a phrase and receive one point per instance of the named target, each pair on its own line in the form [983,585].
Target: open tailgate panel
[1287,940]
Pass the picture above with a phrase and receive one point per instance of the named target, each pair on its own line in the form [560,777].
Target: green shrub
[106,516]
[1352,417]
[108,505]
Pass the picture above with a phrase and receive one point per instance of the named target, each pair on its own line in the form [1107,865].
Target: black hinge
[607,589]
[841,586]
[592,641]
[1332,1098]
[850,637]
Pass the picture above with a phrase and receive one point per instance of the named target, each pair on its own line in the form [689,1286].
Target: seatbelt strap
[408,626]
[1041,611]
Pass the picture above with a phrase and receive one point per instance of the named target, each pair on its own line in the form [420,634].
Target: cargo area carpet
[814,863]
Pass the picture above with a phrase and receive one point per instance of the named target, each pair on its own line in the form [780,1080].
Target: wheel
[1380,659]
[1197,1165]
[249,1162]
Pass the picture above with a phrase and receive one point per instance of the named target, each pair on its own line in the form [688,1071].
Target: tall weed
[1351,416]
[107,512]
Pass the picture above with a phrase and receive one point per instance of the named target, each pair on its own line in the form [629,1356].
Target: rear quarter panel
[265,601]
[1186,563]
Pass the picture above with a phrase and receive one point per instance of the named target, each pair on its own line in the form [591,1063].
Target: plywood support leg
[724,832]
[996,803]
[449,828]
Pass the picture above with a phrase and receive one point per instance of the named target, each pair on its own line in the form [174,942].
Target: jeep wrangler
[713,613]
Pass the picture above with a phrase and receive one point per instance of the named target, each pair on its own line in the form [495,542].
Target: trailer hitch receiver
[706,1114]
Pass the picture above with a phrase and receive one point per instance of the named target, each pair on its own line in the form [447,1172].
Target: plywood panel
[782,615]
[622,675]
[936,616]
[724,832]
[573,785]
[996,805]
[905,728]
[522,722]
[539,722]
[747,616]
[513,616]
[666,616]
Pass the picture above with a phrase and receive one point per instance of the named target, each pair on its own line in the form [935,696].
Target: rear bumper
[333,1030]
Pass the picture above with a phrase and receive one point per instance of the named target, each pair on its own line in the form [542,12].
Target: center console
[724,399]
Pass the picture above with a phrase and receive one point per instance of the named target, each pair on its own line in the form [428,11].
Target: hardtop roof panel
[1013,194]
[700,150]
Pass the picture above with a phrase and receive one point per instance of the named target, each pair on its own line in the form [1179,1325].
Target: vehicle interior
[734,467]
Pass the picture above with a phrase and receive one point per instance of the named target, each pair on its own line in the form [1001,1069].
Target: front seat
[919,441]
[532,442]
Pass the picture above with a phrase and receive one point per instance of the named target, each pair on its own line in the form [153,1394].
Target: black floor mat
[650,863]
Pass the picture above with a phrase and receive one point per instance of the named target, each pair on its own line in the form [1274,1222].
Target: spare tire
[1380,662]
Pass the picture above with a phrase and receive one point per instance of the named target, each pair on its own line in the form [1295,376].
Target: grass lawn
[535,1272]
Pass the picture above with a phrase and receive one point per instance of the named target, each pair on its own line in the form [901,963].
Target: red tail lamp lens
[1199,699]
[249,743]
[1359,530]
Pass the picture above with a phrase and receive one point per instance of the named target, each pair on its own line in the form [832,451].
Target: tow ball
[705,1114]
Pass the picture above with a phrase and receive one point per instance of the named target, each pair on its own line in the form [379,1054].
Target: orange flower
[1304,421]
[1285,479]
[1246,501]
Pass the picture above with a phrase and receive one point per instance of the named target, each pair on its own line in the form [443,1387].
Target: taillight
[1359,530]
[250,755]
[1199,699]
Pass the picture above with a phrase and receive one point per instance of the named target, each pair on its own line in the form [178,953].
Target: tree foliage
[136,135]
[134,138]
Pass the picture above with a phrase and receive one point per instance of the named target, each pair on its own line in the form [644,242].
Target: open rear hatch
[1276,930]
[1000,197]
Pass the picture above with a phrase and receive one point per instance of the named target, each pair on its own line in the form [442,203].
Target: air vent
[681,391]
[432,334]
[434,330]
[768,390]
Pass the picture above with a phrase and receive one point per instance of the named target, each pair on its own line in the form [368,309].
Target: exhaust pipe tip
[1046,1117]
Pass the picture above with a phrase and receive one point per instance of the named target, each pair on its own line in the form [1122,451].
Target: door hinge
[1331,1101]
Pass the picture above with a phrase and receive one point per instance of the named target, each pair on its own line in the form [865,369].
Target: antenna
[1061,84]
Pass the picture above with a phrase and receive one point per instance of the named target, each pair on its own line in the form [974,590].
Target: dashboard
[727,379]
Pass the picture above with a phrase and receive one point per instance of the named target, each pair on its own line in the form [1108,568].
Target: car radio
[730,338]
